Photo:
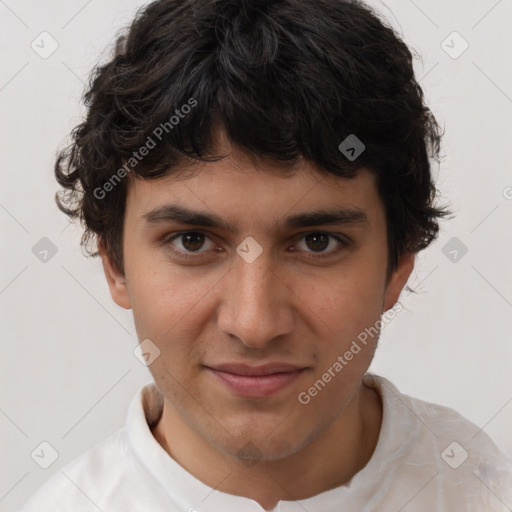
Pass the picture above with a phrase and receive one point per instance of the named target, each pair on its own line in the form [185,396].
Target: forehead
[237,188]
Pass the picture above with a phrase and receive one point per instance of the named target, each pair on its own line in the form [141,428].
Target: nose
[257,304]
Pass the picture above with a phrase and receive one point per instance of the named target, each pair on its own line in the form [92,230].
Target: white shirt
[418,465]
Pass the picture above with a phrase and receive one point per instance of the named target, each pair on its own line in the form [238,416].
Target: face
[267,283]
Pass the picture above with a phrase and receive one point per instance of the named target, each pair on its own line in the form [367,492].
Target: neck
[328,461]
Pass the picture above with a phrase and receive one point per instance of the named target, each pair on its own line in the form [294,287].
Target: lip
[264,369]
[256,381]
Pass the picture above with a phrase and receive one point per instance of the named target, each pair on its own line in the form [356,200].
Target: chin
[251,447]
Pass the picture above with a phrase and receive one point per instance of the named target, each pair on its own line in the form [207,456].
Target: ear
[115,279]
[398,279]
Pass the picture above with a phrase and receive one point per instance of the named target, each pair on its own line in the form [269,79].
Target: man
[257,177]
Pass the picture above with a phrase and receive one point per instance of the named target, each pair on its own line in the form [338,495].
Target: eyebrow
[333,216]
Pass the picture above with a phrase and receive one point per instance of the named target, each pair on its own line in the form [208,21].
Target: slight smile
[256,382]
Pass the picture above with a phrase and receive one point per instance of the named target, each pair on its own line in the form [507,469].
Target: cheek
[345,304]
[165,300]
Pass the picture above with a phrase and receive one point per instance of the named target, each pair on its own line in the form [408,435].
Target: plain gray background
[67,369]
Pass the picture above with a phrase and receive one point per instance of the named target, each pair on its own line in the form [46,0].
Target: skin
[287,306]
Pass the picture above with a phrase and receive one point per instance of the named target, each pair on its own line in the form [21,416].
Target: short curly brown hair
[286,80]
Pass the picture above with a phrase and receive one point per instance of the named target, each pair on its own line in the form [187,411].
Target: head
[236,109]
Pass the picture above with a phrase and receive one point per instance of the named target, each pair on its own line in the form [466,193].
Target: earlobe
[398,280]
[115,279]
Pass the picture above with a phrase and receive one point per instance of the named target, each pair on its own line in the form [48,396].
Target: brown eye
[317,241]
[188,243]
[192,241]
[317,244]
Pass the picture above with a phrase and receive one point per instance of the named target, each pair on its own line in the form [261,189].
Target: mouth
[256,382]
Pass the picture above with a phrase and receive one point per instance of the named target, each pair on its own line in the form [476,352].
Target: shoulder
[461,457]
[108,476]
[73,487]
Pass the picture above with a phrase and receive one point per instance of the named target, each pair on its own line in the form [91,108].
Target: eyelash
[169,239]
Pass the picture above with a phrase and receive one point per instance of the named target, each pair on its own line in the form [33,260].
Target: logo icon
[44,45]
[146,352]
[44,455]
[454,455]
[351,147]
[454,250]
[249,249]
[454,45]
[44,250]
